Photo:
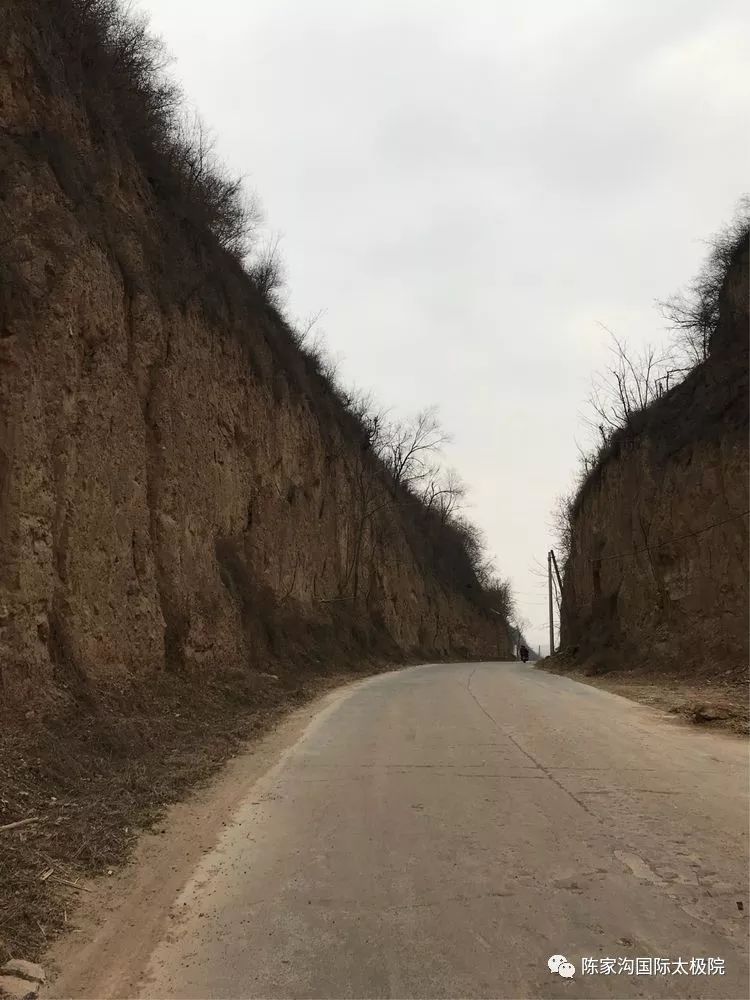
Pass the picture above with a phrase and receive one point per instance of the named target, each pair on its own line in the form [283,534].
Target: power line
[668,541]
[580,605]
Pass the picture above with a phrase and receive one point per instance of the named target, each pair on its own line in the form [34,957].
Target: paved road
[441,831]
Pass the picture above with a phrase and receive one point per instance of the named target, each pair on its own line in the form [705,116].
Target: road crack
[526,753]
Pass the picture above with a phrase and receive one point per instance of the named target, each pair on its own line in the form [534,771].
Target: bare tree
[444,493]
[692,320]
[409,449]
[266,270]
[302,329]
[693,314]
[126,82]
[563,517]
[372,418]
[470,559]
[369,499]
[119,71]
[499,597]
[366,505]
[626,386]
[220,199]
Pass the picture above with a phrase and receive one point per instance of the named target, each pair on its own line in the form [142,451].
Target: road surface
[443,830]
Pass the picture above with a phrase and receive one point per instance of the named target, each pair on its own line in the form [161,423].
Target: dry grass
[92,780]
[719,702]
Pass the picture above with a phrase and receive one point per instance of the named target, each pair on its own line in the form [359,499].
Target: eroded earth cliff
[178,490]
[657,576]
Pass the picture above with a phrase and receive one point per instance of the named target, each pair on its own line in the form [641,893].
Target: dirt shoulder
[78,790]
[716,702]
[136,904]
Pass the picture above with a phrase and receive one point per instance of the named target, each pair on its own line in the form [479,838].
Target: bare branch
[409,448]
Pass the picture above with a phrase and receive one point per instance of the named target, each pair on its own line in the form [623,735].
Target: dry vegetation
[80,784]
[76,791]
[118,72]
[715,702]
[627,396]
[687,391]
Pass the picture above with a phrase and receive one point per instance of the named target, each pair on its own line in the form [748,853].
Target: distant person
[523,653]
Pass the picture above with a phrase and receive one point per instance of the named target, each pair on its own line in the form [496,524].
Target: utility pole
[551,619]
[557,572]
[559,584]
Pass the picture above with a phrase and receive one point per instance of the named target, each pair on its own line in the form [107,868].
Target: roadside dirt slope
[657,578]
[191,536]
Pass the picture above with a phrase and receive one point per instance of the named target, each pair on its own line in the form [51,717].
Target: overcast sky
[468,189]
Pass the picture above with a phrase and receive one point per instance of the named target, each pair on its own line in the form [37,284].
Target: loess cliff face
[177,493]
[658,571]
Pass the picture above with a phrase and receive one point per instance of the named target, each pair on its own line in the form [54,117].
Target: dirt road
[441,832]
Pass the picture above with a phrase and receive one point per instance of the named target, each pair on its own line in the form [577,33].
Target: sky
[469,191]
